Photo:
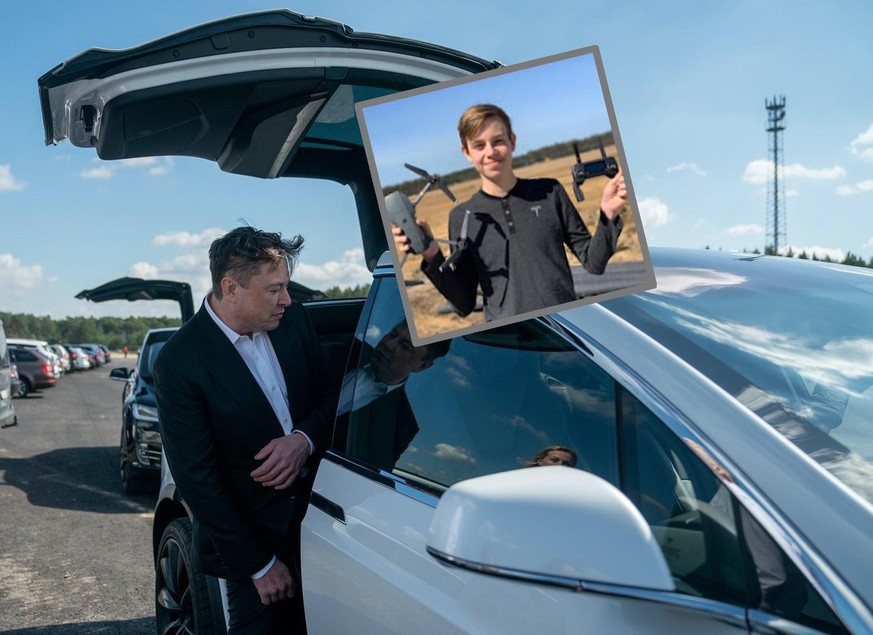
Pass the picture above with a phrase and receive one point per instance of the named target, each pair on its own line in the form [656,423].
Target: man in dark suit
[246,399]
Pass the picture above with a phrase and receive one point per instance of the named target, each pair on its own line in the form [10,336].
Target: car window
[24,356]
[713,546]
[148,357]
[474,405]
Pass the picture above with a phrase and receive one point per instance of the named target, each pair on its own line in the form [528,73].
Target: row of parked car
[36,364]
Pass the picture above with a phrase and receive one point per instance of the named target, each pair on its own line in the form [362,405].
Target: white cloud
[654,212]
[192,268]
[348,270]
[143,270]
[187,239]
[857,146]
[761,171]
[15,275]
[9,183]
[136,162]
[857,188]
[453,453]
[154,166]
[686,166]
[868,244]
[103,172]
[742,230]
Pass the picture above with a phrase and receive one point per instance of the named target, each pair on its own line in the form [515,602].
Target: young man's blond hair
[474,118]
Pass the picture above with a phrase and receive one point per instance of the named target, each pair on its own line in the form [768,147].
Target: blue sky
[688,81]
[430,115]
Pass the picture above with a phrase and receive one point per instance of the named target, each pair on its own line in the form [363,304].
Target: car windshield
[149,355]
[792,341]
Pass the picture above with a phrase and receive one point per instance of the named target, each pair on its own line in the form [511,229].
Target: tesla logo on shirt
[536,209]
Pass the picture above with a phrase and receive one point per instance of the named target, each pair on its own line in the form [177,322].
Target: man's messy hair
[474,117]
[242,252]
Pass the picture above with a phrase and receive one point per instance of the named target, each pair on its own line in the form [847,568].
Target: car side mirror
[555,524]
[119,374]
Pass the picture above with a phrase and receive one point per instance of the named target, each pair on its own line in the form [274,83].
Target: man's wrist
[260,574]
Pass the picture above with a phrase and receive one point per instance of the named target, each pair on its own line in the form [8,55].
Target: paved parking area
[76,551]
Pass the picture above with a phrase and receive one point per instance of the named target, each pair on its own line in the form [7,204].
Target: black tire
[25,388]
[132,482]
[181,591]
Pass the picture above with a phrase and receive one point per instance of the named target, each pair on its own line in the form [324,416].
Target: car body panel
[132,289]
[7,408]
[391,584]
[769,469]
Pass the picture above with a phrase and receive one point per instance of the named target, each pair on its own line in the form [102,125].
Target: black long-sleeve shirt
[515,250]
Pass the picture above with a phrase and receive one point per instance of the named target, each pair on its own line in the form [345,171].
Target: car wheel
[132,482]
[181,592]
[25,388]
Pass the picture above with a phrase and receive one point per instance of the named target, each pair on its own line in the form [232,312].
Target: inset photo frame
[505,195]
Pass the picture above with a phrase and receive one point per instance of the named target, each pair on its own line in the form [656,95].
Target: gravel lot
[76,551]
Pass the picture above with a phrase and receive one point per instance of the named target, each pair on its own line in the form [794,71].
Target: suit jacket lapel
[222,361]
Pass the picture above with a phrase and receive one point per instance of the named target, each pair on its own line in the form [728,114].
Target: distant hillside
[554,151]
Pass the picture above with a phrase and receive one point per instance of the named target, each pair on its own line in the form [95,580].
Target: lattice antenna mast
[775,225]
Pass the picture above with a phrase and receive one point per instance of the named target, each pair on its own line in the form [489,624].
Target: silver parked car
[719,425]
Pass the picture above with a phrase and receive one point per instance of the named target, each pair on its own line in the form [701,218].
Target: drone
[401,212]
[604,166]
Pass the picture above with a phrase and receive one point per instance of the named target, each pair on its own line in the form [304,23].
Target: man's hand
[276,584]
[614,196]
[282,459]
[401,240]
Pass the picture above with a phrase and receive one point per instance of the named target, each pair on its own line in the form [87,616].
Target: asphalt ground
[75,551]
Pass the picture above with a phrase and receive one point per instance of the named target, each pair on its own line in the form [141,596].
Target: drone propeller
[432,179]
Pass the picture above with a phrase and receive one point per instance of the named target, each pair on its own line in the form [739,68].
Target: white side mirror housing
[548,522]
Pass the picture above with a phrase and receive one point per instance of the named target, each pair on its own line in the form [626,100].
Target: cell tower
[775,225]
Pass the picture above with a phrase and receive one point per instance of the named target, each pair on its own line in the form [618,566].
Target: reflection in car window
[713,546]
[477,404]
[766,341]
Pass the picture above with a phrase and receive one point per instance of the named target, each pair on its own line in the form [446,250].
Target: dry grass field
[425,300]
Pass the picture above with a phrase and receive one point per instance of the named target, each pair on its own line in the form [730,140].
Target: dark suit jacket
[215,419]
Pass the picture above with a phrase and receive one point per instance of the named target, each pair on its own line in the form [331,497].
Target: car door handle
[328,507]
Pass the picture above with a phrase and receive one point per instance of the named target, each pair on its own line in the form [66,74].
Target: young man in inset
[515,230]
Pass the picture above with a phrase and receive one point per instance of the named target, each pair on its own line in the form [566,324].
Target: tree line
[554,151]
[113,332]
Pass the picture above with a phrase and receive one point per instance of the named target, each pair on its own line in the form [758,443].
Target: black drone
[401,212]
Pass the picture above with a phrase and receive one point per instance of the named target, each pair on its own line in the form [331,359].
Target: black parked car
[140,446]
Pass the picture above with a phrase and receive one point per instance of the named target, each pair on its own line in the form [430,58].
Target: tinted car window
[765,340]
[25,356]
[713,546]
[148,356]
[477,404]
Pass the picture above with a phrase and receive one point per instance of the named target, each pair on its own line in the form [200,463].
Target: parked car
[35,370]
[15,387]
[720,422]
[8,383]
[63,357]
[79,359]
[107,354]
[44,349]
[140,448]
[95,354]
